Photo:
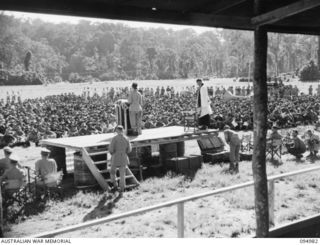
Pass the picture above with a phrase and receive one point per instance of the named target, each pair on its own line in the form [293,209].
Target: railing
[180,205]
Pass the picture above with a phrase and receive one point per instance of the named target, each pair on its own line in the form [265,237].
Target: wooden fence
[180,206]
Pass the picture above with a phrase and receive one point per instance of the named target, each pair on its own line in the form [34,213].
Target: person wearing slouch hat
[119,149]
[15,176]
[45,165]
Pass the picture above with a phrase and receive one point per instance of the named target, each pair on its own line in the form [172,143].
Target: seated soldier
[5,162]
[46,170]
[14,177]
[313,143]
[297,147]
[274,134]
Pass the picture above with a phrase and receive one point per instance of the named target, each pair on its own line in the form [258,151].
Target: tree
[151,54]
[310,72]
[27,60]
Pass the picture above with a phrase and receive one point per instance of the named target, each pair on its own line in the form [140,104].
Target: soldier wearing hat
[119,148]
[5,162]
[45,165]
[15,176]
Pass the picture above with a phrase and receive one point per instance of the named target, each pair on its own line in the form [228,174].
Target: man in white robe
[203,106]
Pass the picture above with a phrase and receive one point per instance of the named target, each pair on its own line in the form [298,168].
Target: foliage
[310,72]
[116,51]
[27,60]
[20,78]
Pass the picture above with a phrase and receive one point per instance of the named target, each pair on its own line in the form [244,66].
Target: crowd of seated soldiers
[66,115]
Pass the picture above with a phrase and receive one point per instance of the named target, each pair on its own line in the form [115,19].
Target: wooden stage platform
[163,135]
[89,153]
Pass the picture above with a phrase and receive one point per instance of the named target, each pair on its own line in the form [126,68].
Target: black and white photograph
[159,119]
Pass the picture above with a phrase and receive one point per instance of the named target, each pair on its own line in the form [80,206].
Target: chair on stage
[274,148]
[189,119]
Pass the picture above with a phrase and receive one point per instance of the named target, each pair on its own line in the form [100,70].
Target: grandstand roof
[289,16]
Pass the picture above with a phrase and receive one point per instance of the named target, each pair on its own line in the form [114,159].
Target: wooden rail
[180,206]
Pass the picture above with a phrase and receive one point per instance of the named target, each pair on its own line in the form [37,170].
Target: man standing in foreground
[232,138]
[313,143]
[119,148]
[203,106]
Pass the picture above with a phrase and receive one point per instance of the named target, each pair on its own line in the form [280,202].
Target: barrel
[142,154]
[180,148]
[82,174]
[167,151]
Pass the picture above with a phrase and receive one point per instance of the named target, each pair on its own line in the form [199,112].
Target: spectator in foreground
[5,162]
[233,140]
[46,169]
[297,147]
[275,134]
[14,176]
[119,149]
[313,143]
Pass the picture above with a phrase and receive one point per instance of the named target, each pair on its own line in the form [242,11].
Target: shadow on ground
[104,207]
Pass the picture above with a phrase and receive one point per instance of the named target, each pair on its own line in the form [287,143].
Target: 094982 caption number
[309,240]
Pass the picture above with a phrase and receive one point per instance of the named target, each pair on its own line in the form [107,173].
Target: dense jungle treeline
[107,51]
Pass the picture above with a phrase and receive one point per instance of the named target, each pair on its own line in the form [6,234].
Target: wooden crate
[218,157]
[185,165]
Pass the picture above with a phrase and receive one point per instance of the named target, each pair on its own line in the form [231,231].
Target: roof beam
[217,6]
[222,21]
[223,5]
[284,12]
[100,10]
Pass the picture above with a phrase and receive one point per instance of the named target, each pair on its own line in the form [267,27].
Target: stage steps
[97,161]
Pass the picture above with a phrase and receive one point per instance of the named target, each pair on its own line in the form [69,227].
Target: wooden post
[260,127]
[180,219]
[271,202]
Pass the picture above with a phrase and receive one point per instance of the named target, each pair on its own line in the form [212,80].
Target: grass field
[36,91]
[226,215]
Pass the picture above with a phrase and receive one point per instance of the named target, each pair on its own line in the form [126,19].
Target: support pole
[271,202]
[260,126]
[180,219]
